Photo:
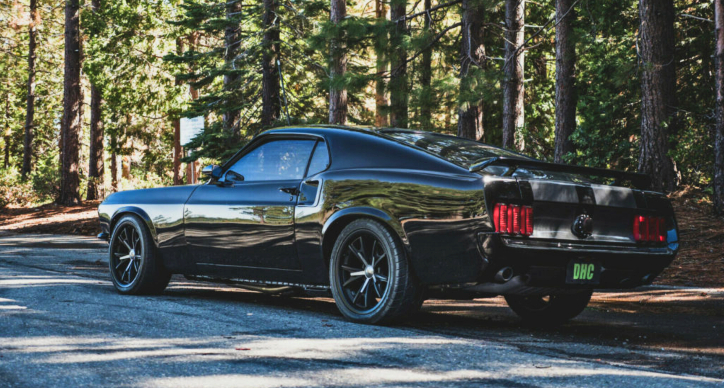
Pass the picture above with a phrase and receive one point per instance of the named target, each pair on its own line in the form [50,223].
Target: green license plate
[583,272]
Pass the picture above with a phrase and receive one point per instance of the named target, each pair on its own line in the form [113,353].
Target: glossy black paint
[268,233]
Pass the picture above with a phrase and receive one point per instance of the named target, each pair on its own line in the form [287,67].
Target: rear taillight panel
[649,229]
[513,219]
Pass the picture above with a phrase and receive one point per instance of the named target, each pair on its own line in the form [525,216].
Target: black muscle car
[384,218]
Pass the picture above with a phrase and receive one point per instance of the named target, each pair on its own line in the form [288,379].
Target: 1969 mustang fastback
[384,218]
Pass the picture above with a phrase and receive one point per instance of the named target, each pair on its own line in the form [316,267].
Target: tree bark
[177,129]
[566,98]
[114,164]
[381,109]
[514,92]
[271,108]
[398,66]
[6,159]
[30,111]
[658,91]
[96,187]
[72,101]
[337,93]
[426,97]
[719,132]
[232,38]
[472,53]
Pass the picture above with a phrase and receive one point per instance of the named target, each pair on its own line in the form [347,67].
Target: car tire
[133,262]
[378,287]
[549,310]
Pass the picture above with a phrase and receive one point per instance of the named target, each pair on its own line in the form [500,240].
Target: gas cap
[583,226]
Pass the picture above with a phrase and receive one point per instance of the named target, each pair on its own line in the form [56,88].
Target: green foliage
[139,53]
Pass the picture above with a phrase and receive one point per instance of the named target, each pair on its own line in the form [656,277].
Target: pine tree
[398,65]
[658,87]
[337,91]
[380,45]
[565,79]
[72,100]
[514,91]
[472,62]
[719,131]
[95,160]
[30,112]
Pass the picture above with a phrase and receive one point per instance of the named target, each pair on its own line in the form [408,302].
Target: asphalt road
[63,325]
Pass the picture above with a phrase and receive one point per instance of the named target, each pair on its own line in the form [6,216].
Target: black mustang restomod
[384,218]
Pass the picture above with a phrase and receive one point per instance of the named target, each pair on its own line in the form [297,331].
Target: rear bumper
[543,264]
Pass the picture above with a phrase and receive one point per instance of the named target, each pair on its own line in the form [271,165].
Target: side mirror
[213,171]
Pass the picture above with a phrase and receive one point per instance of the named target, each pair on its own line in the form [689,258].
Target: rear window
[460,151]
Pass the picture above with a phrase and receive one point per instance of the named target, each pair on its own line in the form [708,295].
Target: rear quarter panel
[435,215]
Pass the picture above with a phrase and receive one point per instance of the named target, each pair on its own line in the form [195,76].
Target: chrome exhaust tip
[504,275]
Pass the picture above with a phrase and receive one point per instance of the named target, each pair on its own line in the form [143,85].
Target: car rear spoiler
[640,181]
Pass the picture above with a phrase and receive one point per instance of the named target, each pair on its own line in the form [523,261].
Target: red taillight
[513,219]
[528,220]
[503,219]
[516,219]
[651,229]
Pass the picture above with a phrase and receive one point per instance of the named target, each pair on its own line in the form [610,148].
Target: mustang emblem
[583,226]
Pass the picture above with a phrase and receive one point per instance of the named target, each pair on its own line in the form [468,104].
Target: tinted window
[276,160]
[320,159]
[460,151]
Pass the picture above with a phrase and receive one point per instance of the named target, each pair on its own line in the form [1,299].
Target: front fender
[369,212]
[135,210]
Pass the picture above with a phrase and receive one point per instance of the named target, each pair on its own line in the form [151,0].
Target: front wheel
[370,276]
[549,310]
[135,267]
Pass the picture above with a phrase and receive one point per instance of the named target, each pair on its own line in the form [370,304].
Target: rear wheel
[549,310]
[370,276]
[135,267]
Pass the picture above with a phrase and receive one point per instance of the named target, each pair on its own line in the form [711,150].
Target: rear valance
[640,181]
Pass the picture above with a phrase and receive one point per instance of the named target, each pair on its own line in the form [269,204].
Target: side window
[275,160]
[320,159]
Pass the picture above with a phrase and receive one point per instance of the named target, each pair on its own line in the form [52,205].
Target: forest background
[92,92]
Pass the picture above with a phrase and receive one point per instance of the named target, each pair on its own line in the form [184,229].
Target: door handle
[312,182]
[290,190]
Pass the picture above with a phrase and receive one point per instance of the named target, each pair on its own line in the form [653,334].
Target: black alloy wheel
[127,256]
[133,263]
[369,274]
[365,271]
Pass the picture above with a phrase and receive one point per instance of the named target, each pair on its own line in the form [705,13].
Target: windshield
[463,152]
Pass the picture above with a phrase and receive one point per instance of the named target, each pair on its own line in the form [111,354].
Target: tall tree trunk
[514,92]
[72,100]
[426,96]
[658,91]
[338,92]
[398,65]
[177,129]
[719,132]
[232,38]
[472,53]
[6,159]
[566,97]
[95,161]
[96,187]
[30,112]
[270,72]
[381,109]
[114,163]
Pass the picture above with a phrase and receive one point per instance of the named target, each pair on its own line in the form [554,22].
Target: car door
[246,220]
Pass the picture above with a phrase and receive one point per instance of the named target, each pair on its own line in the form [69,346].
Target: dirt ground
[699,263]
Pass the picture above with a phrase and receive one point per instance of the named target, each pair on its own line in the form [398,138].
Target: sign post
[190,128]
